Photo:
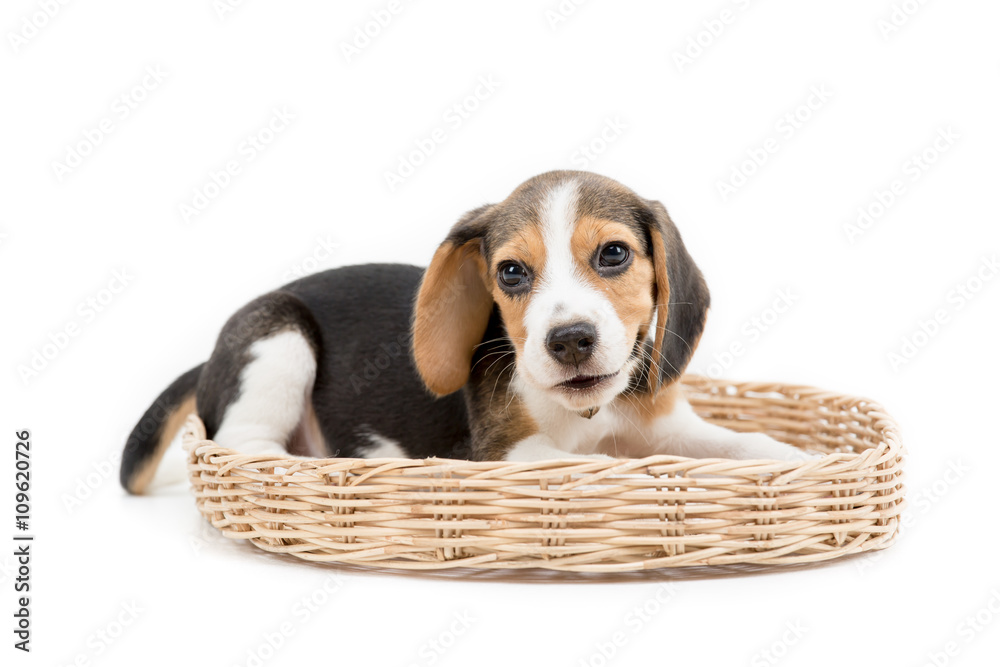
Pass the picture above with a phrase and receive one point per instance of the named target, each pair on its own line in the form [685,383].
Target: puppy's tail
[152,435]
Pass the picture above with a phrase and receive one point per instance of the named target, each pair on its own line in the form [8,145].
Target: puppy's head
[582,271]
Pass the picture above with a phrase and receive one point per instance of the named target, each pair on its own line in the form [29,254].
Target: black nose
[573,343]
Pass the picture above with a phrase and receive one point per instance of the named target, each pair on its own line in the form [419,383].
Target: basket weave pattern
[581,515]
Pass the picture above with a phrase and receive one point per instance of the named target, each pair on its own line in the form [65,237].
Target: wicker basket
[581,515]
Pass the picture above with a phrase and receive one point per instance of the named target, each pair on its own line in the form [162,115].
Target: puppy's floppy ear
[453,306]
[682,299]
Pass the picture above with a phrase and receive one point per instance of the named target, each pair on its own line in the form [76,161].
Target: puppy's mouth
[581,382]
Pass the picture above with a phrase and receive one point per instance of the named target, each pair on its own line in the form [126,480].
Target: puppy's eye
[614,254]
[512,275]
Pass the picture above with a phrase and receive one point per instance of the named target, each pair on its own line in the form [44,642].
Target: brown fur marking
[651,406]
[527,246]
[662,309]
[631,293]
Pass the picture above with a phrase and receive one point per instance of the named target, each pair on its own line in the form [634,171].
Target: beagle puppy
[553,324]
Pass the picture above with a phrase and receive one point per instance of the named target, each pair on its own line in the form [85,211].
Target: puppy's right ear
[453,306]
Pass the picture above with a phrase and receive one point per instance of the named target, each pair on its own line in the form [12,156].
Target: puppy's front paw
[542,448]
[584,457]
[761,446]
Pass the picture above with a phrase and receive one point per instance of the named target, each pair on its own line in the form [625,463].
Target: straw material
[575,514]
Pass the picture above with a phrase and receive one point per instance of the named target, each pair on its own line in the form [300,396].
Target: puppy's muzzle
[571,344]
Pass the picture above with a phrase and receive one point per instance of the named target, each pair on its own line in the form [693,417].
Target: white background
[683,127]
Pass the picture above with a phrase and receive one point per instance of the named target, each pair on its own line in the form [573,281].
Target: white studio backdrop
[832,168]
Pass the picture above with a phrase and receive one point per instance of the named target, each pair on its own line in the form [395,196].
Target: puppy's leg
[683,433]
[541,447]
[274,394]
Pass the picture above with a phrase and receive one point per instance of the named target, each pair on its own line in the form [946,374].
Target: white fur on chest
[611,431]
